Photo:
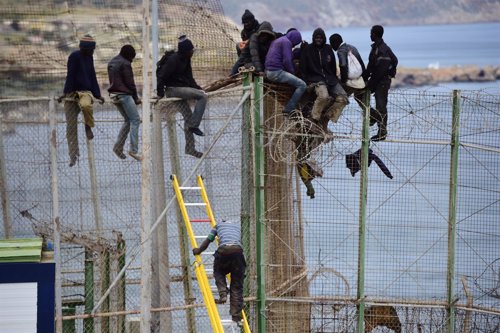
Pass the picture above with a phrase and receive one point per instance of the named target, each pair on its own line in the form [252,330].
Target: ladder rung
[227,322]
[195,204]
[190,188]
[200,237]
[200,220]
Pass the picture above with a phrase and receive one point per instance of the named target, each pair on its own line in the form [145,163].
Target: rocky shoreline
[416,77]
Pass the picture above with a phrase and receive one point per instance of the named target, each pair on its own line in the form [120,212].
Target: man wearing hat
[250,26]
[79,90]
[175,79]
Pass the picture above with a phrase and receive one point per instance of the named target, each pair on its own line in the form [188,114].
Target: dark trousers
[236,265]
[379,114]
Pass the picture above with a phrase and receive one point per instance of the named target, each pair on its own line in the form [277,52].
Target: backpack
[354,69]
[163,61]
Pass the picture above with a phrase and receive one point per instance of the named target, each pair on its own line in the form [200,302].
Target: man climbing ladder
[228,259]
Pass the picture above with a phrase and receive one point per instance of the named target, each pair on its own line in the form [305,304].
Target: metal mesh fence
[312,245]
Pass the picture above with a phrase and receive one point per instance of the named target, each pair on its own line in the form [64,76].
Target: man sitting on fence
[175,79]
[79,90]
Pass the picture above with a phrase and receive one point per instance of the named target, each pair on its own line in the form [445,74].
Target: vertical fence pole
[88,323]
[146,249]
[7,223]
[183,237]
[455,143]
[161,235]
[259,205]
[246,181]
[55,212]
[122,287]
[363,197]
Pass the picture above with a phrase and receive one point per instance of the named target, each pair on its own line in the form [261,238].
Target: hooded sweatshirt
[255,54]
[279,56]
[317,63]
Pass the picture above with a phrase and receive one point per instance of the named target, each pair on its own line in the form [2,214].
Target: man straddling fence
[80,89]
[123,93]
[175,79]
[319,69]
[229,258]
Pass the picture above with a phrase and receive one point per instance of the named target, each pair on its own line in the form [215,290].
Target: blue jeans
[191,119]
[127,108]
[282,76]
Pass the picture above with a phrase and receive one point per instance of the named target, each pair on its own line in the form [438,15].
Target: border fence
[413,250]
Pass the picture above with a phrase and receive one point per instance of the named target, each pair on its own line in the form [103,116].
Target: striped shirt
[229,233]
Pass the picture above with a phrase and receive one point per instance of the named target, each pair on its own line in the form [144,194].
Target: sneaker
[88,132]
[72,161]
[136,156]
[380,136]
[196,130]
[119,153]
[237,320]
[194,153]
[222,299]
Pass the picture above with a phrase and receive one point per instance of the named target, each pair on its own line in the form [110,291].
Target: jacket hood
[295,37]
[321,33]
[266,28]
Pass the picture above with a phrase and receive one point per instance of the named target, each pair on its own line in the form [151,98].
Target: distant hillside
[341,13]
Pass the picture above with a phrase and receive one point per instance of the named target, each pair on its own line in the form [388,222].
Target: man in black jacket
[319,70]
[250,25]
[381,68]
[175,79]
[123,93]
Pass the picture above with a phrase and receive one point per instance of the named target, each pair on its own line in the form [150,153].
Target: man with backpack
[351,68]
[175,79]
[381,69]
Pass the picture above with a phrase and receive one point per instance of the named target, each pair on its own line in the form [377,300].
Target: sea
[433,46]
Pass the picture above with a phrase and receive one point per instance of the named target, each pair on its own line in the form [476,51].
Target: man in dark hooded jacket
[175,79]
[250,25]
[319,69]
[259,43]
[381,69]
[280,68]
[123,93]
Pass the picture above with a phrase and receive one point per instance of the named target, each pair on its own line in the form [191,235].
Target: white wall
[18,307]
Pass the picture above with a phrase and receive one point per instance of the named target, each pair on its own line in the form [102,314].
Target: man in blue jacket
[123,93]
[280,68]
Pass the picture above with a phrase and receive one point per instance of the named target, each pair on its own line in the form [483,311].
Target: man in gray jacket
[123,93]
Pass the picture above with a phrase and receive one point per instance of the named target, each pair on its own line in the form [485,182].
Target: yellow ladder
[199,268]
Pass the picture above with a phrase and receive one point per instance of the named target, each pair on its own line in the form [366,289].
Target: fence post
[7,223]
[455,144]
[259,205]
[363,197]
[88,323]
[161,235]
[55,212]
[183,238]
